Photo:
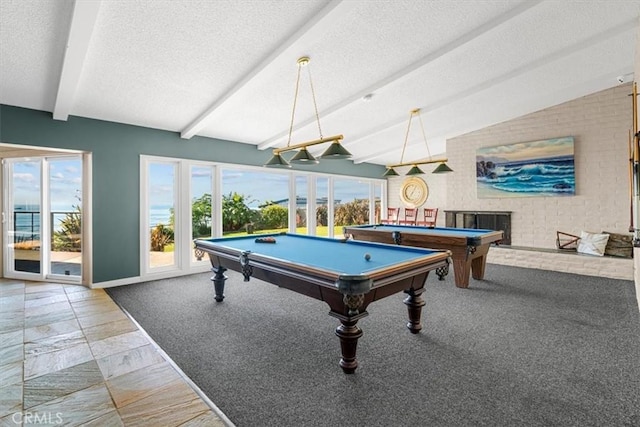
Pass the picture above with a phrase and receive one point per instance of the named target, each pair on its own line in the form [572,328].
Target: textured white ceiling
[227,69]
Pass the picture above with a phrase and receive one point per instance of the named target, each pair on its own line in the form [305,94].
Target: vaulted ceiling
[227,69]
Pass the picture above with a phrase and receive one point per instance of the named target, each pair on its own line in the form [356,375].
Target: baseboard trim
[149,277]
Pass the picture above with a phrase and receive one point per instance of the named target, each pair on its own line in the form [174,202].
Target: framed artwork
[542,168]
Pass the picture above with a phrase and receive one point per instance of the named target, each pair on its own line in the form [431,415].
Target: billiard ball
[367,257]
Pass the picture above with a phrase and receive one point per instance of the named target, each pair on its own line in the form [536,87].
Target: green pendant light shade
[442,168]
[391,172]
[415,170]
[336,151]
[304,157]
[277,161]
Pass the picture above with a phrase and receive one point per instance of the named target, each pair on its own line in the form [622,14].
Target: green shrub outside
[238,219]
[273,216]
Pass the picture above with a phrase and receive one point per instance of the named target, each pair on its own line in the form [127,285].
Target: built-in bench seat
[563,261]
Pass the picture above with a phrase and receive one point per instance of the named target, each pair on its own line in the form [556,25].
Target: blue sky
[256,186]
[65,183]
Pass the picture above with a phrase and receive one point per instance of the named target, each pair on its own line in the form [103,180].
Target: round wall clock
[414,191]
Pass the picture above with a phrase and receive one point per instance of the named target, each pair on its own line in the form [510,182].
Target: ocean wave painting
[528,169]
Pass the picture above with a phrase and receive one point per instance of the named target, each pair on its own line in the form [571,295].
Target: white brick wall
[600,126]
[589,265]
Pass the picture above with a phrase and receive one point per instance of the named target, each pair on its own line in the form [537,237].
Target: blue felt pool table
[336,271]
[469,247]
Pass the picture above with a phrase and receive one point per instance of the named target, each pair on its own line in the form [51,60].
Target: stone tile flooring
[70,356]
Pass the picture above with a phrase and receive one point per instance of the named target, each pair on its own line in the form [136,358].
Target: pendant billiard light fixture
[415,170]
[303,156]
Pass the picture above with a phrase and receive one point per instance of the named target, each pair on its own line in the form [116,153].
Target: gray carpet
[522,348]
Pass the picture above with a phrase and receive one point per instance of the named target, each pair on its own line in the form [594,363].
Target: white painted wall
[437,190]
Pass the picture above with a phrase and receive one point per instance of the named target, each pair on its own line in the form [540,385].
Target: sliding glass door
[22,219]
[64,202]
[177,207]
[42,218]
[159,229]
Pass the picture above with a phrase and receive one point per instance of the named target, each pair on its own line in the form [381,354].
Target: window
[253,200]
[42,229]
[182,200]
[202,212]
[302,203]
[65,210]
[351,198]
[323,208]
[161,214]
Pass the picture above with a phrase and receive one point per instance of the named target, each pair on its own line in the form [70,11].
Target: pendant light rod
[336,138]
[406,135]
[424,162]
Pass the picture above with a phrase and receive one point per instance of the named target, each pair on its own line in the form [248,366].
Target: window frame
[183,263]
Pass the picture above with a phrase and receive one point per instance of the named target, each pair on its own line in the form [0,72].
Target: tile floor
[70,356]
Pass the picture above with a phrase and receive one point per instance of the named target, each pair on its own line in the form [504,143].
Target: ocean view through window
[44,219]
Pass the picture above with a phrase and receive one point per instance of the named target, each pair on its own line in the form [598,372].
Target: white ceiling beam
[309,28]
[406,72]
[83,21]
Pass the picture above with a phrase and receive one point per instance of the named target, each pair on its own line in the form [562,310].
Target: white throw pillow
[592,243]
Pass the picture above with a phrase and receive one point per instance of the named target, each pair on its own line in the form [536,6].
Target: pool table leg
[414,302]
[479,262]
[218,282]
[442,272]
[470,264]
[348,332]
[477,268]
[461,270]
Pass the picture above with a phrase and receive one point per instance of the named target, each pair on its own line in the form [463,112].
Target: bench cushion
[592,243]
[620,245]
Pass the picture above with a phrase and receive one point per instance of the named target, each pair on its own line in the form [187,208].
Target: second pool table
[469,247]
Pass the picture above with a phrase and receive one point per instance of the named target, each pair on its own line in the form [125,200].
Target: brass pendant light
[304,157]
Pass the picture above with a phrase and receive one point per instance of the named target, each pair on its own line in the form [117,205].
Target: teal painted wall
[116,152]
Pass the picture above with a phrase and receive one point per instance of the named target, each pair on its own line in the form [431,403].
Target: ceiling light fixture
[304,157]
[415,170]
